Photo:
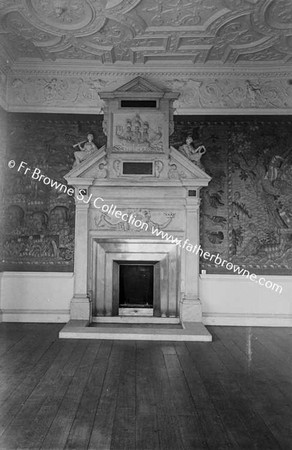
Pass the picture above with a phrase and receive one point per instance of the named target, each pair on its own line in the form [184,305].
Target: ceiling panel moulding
[106,32]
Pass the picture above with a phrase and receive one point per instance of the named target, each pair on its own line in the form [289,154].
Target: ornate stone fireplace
[137,203]
[110,253]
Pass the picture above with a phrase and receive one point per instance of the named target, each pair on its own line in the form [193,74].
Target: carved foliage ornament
[133,220]
[195,93]
[57,91]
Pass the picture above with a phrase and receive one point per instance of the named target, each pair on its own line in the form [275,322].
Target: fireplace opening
[136,285]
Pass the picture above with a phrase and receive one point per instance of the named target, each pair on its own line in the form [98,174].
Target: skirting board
[248,320]
[63,316]
[36,315]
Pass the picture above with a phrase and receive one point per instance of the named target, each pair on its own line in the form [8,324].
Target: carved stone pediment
[139,84]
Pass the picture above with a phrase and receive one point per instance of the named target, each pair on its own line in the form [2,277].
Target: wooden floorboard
[102,430]
[232,393]
[271,375]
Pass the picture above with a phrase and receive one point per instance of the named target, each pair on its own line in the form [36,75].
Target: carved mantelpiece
[140,186]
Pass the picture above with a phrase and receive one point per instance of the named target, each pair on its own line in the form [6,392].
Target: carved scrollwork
[158,168]
[56,91]
[265,91]
[117,166]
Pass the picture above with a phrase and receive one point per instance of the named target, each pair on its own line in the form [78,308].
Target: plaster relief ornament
[135,220]
[102,170]
[88,149]
[61,11]
[192,153]
[143,31]
[117,167]
[174,173]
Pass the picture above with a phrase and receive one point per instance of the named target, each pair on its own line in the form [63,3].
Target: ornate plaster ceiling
[199,32]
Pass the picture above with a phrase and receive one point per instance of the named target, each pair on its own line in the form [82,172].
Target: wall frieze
[78,91]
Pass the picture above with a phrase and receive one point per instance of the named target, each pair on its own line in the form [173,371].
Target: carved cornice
[89,70]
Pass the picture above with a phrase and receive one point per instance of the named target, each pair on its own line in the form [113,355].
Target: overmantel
[137,152]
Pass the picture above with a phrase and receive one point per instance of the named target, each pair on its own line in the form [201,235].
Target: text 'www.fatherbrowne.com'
[219,262]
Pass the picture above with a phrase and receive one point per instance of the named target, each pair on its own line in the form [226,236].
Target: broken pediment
[150,169]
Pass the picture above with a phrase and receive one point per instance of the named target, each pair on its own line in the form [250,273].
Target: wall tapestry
[246,213]
[38,228]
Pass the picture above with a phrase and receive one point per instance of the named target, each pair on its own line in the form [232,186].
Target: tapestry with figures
[246,214]
[38,226]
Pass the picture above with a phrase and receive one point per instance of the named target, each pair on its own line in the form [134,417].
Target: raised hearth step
[192,331]
[136,319]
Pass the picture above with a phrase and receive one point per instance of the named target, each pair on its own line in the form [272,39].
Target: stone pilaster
[80,303]
[190,305]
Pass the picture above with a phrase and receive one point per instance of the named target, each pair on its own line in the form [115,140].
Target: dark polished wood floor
[234,393]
